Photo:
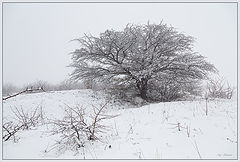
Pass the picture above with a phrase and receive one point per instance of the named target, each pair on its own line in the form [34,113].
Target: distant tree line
[9,89]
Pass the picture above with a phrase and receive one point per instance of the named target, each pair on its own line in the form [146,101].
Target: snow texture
[147,132]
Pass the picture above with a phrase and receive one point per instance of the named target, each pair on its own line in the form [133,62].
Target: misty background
[37,36]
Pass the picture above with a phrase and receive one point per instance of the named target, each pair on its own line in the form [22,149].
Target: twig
[188,130]
[196,147]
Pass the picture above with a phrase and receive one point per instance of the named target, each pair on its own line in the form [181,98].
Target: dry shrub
[23,120]
[77,127]
[219,88]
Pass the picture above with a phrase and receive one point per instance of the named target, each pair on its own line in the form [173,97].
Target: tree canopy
[143,57]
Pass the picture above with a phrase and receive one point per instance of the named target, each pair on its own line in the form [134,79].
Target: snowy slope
[148,132]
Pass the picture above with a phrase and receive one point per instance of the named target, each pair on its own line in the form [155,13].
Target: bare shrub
[24,120]
[96,127]
[219,88]
[166,92]
[77,127]
[71,128]
[172,89]
[9,130]
[28,119]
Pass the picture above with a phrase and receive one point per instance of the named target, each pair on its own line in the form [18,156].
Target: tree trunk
[142,87]
[143,94]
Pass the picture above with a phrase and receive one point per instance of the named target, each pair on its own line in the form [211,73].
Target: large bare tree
[140,56]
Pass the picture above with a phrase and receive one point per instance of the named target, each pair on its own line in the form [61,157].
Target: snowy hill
[170,130]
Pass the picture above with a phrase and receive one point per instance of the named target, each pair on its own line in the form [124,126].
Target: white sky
[36,36]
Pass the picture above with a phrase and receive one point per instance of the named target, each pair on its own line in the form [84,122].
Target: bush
[77,127]
[219,88]
[24,120]
[171,90]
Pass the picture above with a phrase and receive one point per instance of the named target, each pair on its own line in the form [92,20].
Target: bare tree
[142,57]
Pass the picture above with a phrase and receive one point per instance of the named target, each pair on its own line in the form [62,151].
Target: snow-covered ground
[147,132]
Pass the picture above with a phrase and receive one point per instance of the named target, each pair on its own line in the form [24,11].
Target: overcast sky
[36,35]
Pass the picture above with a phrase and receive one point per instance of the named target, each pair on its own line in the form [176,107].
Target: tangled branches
[76,127]
[24,120]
